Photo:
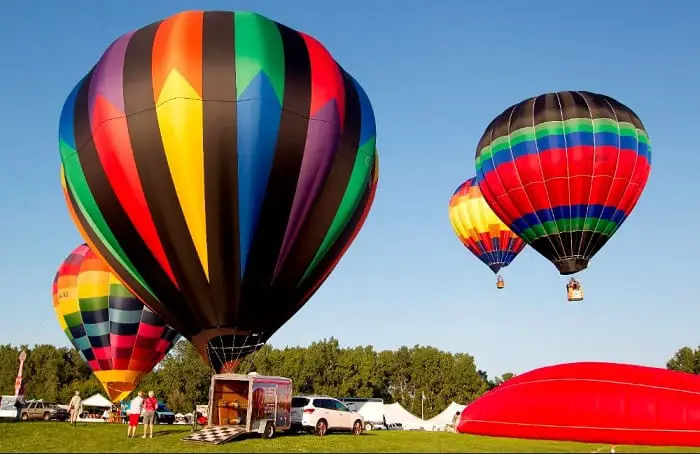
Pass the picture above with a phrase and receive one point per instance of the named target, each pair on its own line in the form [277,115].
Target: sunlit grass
[42,436]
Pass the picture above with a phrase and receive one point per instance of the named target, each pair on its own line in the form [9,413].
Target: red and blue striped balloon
[564,171]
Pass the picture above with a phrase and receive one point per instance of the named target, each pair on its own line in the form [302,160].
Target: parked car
[43,410]
[164,415]
[321,414]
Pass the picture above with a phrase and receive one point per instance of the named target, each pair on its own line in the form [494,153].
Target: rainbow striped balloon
[119,338]
[221,163]
[480,230]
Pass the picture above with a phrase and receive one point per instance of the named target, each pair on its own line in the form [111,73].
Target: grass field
[60,437]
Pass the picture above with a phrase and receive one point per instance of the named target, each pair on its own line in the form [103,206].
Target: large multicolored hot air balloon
[564,170]
[480,230]
[221,163]
[119,338]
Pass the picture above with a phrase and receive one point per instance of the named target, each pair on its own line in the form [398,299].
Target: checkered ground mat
[216,435]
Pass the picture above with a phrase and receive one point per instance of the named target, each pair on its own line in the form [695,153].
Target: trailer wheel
[368,426]
[269,430]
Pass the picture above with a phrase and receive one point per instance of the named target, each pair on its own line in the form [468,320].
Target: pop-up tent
[445,417]
[395,413]
[97,400]
[94,401]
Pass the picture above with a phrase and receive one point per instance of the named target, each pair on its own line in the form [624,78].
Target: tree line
[403,375]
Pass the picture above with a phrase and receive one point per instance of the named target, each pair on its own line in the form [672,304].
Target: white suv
[320,414]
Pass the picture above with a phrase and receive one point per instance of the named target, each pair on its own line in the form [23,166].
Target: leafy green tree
[502,379]
[9,364]
[685,360]
[182,376]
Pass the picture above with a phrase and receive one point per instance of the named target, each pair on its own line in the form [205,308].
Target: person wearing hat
[75,407]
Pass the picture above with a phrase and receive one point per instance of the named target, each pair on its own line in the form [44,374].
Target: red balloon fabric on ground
[593,402]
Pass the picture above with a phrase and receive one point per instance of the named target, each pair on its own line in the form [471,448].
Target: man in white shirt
[75,407]
[134,414]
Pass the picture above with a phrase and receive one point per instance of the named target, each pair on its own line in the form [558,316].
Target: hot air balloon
[564,171]
[480,230]
[120,339]
[221,163]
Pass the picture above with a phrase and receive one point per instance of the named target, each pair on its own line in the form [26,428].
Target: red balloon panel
[593,403]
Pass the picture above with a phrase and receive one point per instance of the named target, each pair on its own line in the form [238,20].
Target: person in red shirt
[150,405]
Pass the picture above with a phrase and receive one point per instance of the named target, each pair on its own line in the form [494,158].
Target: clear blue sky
[436,76]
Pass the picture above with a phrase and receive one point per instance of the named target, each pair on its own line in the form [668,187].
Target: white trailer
[240,404]
[10,407]
[371,409]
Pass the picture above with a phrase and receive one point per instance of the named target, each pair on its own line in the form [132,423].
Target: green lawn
[42,436]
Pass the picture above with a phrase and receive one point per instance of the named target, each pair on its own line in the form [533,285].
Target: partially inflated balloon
[221,163]
[480,230]
[564,171]
[119,338]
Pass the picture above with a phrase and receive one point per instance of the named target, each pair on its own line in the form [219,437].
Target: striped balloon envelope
[221,163]
[119,338]
[564,171]
[480,230]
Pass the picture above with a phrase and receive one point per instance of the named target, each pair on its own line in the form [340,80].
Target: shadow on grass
[162,433]
[329,433]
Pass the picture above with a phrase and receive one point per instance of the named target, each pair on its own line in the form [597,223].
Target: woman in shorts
[134,414]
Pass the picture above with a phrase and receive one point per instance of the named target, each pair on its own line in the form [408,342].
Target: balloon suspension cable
[228,355]
[238,355]
[250,359]
[211,348]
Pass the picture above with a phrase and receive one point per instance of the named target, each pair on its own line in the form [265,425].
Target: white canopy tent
[445,417]
[97,400]
[395,413]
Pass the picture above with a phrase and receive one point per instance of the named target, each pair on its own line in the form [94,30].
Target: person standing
[455,421]
[75,407]
[134,414]
[150,405]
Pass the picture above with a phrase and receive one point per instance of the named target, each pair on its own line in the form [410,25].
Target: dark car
[43,410]
[164,415]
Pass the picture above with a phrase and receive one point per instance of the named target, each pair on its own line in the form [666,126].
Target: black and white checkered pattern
[216,434]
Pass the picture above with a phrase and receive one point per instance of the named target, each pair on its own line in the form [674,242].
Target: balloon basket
[574,295]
